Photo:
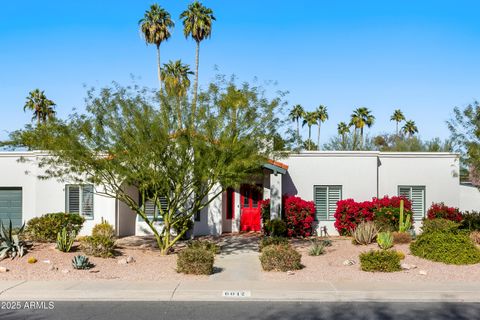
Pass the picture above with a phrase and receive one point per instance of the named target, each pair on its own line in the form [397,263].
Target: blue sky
[419,56]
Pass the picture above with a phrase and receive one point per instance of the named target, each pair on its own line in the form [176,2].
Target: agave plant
[81,263]
[10,243]
[365,233]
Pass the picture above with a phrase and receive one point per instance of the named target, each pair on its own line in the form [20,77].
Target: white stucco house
[320,176]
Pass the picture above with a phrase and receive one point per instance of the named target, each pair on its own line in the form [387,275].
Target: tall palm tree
[295,115]
[409,128]
[343,129]
[360,118]
[398,117]
[175,77]
[42,107]
[197,23]
[322,115]
[155,27]
[310,120]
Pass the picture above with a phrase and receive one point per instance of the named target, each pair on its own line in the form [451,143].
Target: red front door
[250,209]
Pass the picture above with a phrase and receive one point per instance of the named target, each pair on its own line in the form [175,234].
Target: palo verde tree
[123,140]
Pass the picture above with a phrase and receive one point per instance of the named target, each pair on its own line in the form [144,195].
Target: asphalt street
[236,310]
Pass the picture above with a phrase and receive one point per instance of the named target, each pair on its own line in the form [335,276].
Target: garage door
[11,205]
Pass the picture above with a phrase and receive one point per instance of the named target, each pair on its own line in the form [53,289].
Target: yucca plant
[385,240]
[65,240]
[365,233]
[81,263]
[10,244]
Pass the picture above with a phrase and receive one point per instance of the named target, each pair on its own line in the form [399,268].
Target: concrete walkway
[238,260]
[115,290]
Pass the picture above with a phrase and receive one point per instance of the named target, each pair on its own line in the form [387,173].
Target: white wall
[469,198]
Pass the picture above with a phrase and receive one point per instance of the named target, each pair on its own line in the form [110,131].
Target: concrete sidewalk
[114,290]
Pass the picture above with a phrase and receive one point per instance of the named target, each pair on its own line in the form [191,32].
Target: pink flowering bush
[299,216]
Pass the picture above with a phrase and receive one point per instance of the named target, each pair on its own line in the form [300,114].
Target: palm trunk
[396,130]
[195,85]
[309,137]
[318,138]
[159,67]
[179,113]
[361,137]
[298,134]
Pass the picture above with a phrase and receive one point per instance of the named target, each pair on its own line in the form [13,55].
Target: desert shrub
[103,229]
[47,227]
[98,246]
[265,209]
[299,216]
[400,255]
[280,258]
[317,248]
[268,241]
[275,228]
[446,247]
[385,240]
[440,224]
[204,244]
[380,260]
[471,221]
[440,210]
[350,213]
[388,218]
[195,261]
[475,236]
[401,237]
[365,233]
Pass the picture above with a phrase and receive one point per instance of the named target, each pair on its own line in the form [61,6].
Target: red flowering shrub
[299,216]
[350,213]
[440,210]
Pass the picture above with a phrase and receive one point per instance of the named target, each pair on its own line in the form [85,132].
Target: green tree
[155,27]
[175,77]
[343,129]
[322,115]
[197,23]
[398,117]
[360,118]
[295,115]
[310,120]
[124,140]
[40,105]
[409,128]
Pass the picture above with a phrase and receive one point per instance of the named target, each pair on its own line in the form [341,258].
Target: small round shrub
[98,246]
[195,261]
[204,244]
[440,210]
[401,237]
[280,258]
[446,247]
[400,255]
[268,241]
[439,224]
[275,228]
[380,261]
[103,229]
[47,227]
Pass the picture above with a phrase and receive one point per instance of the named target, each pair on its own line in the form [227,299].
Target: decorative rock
[290,273]
[130,259]
[406,266]
[52,268]
[349,262]
[65,271]
[422,272]
[122,261]
[3,269]
[46,261]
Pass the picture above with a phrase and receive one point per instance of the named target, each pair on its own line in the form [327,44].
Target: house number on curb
[236,294]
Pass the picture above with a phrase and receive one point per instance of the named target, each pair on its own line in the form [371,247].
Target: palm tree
[42,107]
[155,27]
[410,128]
[295,115]
[175,76]
[398,117]
[310,120]
[322,116]
[197,23]
[360,118]
[343,129]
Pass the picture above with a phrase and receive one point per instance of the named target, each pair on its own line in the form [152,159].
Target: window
[416,194]
[151,210]
[79,199]
[11,205]
[325,198]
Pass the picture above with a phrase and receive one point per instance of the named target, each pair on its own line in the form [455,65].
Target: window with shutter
[325,198]
[416,194]
[152,210]
[79,199]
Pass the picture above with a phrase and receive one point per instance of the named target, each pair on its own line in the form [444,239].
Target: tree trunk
[318,138]
[361,137]
[179,113]
[309,137]
[396,130]
[298,134]
[159,68]
[195,85]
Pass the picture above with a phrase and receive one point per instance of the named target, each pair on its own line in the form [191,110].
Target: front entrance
[250,197]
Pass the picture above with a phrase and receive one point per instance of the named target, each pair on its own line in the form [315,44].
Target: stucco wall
[469,198]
